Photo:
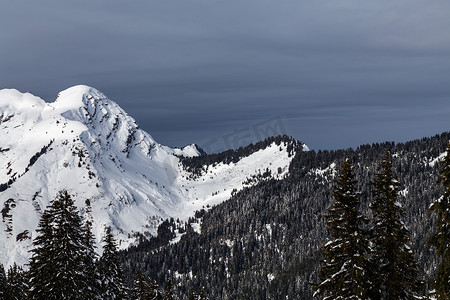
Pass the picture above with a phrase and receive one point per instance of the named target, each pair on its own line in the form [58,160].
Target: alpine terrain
[86,144]
[271,220]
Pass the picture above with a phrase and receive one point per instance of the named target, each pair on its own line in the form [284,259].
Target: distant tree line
[266,241]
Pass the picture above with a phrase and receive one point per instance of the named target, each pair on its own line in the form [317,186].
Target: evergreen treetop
[344,269]
[141,288]
[16,285]
[2,282]
[398,275]
[58,262]
[112,281]
[90,257]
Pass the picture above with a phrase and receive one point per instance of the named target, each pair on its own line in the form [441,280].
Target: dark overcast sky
[334,74]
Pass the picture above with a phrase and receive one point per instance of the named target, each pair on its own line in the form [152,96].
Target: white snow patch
[328,171]
[404,192]
[441,157]
[197,228]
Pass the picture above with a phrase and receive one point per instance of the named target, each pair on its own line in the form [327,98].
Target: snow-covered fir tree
[203,295]
[141,289]
[112,282]
[344,269]
[441,236]
[168,291]
[16,284]
[155,293]
[42,269]
[2,282]
[57,266]
[397,273]
[93,289]
[193,295]
[198,296]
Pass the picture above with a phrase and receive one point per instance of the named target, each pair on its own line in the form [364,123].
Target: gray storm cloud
[337,73]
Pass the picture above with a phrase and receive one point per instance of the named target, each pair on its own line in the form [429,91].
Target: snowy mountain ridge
[86,144]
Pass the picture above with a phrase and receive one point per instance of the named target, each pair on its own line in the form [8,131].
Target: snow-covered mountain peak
[86,144]
[76,97]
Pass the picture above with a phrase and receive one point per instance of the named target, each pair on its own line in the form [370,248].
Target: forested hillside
[264,242]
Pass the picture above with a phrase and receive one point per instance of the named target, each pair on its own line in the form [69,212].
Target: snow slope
[86,144]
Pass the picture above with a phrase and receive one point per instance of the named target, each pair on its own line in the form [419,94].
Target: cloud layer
[336,73]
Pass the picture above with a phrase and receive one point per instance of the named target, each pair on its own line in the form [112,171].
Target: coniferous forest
[369,223]
[268,241]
